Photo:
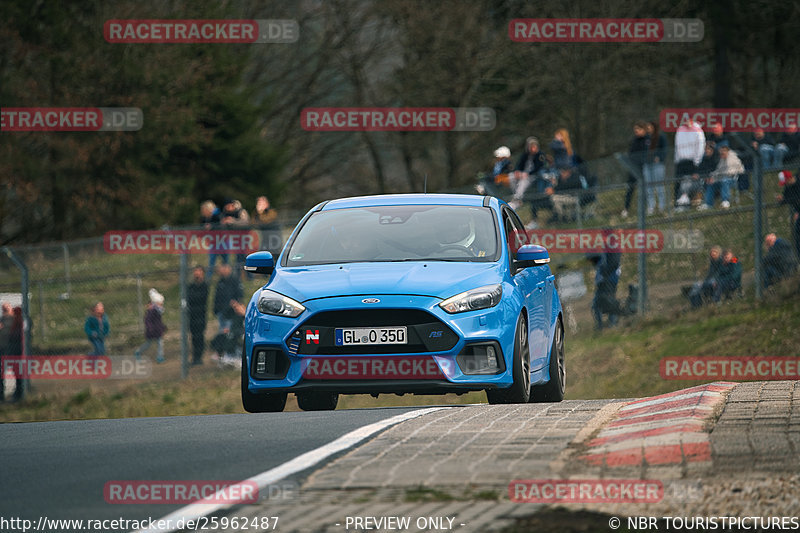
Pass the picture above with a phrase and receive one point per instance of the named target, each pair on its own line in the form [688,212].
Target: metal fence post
[66,270]
[139,301]
[641,299]
[758,201]
[184,318]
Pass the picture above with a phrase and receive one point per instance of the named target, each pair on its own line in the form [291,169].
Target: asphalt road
[59,469]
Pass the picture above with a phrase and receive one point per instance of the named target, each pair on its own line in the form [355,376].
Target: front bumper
[305,343]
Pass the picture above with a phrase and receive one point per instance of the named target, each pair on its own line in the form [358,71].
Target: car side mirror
[531,255]
[259,263]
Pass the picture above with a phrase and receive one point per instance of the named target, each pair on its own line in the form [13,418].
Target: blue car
[396,294]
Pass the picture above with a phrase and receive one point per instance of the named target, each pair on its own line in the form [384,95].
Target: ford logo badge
[370,301]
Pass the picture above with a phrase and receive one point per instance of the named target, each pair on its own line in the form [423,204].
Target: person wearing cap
[728,168]
[154,327]
[500,173]
[791,197]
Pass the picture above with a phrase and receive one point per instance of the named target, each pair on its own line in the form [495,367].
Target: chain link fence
[65,280]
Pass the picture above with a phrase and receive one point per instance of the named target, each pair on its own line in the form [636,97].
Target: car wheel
[317,400]
[519,391]
[553,390]
[273,402]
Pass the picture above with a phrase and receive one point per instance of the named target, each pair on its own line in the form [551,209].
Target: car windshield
[395,233]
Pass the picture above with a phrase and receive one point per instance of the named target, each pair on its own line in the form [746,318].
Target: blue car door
[532,284]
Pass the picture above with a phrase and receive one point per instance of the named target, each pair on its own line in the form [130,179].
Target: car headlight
[272,303]
[480,298]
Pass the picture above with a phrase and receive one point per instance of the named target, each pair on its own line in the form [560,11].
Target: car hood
[437,279]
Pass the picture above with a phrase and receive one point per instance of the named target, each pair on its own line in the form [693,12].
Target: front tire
[519,391]
[553,390]
[317,400]
[272,402]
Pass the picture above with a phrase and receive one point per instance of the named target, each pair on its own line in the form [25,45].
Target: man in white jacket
[723,177]
[690,144]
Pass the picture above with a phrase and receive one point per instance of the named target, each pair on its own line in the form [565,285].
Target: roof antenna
[425,186]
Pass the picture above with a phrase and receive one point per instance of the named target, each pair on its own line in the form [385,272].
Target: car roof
[405,199]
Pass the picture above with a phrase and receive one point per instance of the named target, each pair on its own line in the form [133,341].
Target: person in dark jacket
[211,220]
[154,327]
[607,273]
[11,346]
[637,153]
[710,284]
[197,307]
[763,144]
[791,197]
[228,289]
[96,328]
[730,276]
[779,261]
[563,196]
[654,169]
[788,147]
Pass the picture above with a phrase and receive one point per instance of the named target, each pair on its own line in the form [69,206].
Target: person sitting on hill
[779,262]
[730,276]
[709,285]
[499,177]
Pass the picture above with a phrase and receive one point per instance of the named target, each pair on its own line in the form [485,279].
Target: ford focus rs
[418,293]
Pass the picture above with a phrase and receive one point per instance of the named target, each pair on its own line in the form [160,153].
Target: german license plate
[371,336]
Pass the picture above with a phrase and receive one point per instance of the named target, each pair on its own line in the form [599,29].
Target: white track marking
[298,464]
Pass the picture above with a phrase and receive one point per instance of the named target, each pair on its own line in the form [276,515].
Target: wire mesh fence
[66,280]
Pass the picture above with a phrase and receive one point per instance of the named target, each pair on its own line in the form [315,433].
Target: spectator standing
[210,218]
[97,328]
[689,148]
[723,177]
[779,261]
[717,135]
[266,219]
[762,143]
[228,290]
[788,147]
[197,306]
[654,169]
[637,153]
[709,285]
[235,217]
[10,346]
[791,197]
[154,327]
[607,273]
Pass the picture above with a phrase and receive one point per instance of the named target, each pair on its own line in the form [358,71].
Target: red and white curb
[661,430]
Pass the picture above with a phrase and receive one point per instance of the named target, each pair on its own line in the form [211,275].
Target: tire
[519,391]
[317,400]
[553,390]
[272,402]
